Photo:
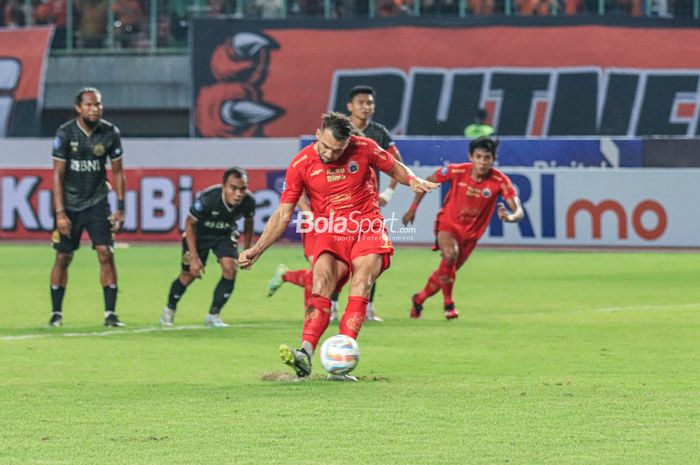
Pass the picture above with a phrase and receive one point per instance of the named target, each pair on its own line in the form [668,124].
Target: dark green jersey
[85,181]
[215,218]
[378,133]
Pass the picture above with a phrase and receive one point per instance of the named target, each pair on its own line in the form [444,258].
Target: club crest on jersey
[486,192]
[98,150]
[73,146]
[353,167]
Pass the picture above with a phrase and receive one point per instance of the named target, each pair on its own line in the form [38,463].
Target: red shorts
[466,244]
[308,239]
[348,248]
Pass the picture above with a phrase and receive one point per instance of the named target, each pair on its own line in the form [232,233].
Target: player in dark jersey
[361,105]
[80,152]
[211,225]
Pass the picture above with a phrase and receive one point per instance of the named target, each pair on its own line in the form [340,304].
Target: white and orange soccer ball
[339,354]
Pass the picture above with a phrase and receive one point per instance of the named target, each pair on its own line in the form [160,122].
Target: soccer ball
[340,354]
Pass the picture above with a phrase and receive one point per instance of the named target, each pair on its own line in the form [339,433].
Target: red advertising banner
[275,80]
[157,201]
[23,57]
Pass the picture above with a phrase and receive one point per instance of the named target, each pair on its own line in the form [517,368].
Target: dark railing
[143,26]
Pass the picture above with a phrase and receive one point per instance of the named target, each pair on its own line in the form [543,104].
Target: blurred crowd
[131,24]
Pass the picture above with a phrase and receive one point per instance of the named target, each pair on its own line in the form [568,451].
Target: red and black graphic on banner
[233,104]
[537,81]
[23,56]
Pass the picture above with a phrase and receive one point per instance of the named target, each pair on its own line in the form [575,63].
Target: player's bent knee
[228,273]
[451,256]
[228,268]
[361,286]
[322,283]
[63,259]
[104,254]
[186,278]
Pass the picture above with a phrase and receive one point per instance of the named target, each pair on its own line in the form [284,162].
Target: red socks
[354,316]
[318,315]
[431,287]
[308,286]
[297,277]
[301,278]
[442,278]
[448,272]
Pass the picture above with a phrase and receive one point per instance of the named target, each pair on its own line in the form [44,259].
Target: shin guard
[318,315]
[354,316]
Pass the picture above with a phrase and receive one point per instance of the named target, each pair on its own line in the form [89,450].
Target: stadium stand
[145,25]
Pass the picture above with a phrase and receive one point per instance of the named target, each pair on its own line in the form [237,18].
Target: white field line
[631,308]
[640,308]
[116,332]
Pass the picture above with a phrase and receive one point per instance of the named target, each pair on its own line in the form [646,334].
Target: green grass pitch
[557,358]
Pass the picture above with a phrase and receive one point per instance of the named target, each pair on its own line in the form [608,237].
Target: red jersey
[469,204]
[345,188]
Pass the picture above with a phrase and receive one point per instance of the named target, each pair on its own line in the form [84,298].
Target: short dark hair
[484,142]
[339,124]
[85,90]
[482,114]
[360,90]
[236,172]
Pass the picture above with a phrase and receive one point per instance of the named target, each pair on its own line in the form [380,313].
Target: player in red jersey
[361,106]
[464,216]
[351,238]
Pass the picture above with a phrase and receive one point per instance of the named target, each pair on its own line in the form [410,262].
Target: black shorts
[223,246]
[94,219]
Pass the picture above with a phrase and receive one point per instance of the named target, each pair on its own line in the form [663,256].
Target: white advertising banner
[582,207]
[637,207]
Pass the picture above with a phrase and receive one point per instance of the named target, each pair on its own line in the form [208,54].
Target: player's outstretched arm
[405,176]
[515,206]
[273,230]
[386,195]
[410,215]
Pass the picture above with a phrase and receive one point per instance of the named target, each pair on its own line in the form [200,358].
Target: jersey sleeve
[385,141]
[507,189]
[61,146]
[116,151]
[199,208]
[443,174]
[250,207]
[293,186]
[380,158]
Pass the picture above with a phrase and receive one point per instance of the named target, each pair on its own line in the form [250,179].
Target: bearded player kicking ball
[336,173]
[464,216]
